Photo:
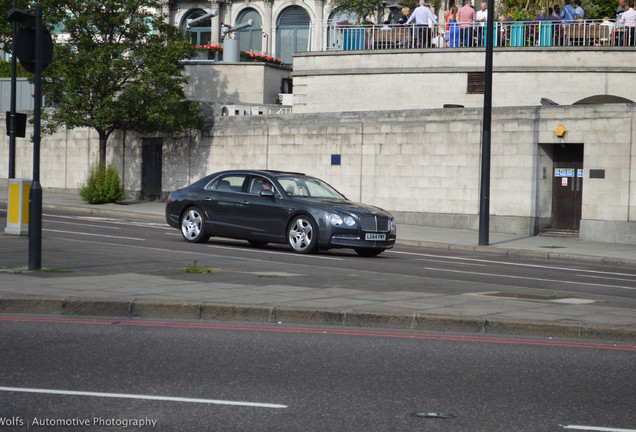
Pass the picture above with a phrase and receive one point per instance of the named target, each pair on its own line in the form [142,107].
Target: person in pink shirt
[628,19]
[466,16]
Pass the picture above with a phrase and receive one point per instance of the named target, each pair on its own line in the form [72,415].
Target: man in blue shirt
[578,10]
[568,14]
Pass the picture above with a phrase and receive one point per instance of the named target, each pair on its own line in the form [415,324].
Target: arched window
[200,33]
[293,33]
[250,38]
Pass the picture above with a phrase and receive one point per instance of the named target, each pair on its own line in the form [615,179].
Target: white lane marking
[84,225]
[94,235]
[598,428]
[606,277]
[541,266]
[143,397]
[531,278]
[446,262]
[275,253]
[115,221]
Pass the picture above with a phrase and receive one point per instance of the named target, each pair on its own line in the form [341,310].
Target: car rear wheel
[302,235]
[369,252]
[193,226]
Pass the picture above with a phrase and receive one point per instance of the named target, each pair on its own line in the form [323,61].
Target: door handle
[245,202]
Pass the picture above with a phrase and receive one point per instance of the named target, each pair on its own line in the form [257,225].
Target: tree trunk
[103,137]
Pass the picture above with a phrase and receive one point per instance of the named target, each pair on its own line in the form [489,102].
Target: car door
[263,213]
[223,202]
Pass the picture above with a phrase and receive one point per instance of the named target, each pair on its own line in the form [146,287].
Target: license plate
[374,236]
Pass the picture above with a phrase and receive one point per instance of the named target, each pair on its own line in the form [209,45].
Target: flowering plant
[260,57]
[209,47]
[520,15]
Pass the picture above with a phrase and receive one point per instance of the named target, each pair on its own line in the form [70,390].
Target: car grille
[374,223]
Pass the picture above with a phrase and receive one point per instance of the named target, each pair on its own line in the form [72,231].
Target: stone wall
[336,81]
[424,165]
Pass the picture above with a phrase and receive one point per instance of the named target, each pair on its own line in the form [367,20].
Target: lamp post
[484,193]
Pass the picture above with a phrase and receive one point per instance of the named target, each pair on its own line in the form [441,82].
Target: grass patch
[196,268]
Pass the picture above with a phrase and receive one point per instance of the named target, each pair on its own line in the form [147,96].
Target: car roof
[271,173]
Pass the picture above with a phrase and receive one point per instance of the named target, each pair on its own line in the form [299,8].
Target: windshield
[308,187]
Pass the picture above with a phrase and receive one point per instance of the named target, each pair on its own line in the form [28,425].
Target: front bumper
[358,241]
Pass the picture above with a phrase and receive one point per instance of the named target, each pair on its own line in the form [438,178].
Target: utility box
[18,207]
[286,98]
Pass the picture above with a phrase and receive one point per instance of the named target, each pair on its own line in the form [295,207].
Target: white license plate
[374,236]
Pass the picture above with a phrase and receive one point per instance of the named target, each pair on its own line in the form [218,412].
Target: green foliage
[5,70]
[103,186]
[196,268]
[594,9]
[119,68]
[363,9]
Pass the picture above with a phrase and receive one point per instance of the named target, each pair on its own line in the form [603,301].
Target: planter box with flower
[255,57]
[209,52]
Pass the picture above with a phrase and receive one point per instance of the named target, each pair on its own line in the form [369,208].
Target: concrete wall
[419,79]
[234,83]
[421,164]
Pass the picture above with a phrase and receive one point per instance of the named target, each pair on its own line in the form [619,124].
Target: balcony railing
[507,34]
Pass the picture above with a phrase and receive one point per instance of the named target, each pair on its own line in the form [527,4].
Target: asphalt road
[234,377]
[93,245]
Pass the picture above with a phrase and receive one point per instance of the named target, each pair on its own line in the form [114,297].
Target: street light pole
[484,202]
[35,200]
[12,122]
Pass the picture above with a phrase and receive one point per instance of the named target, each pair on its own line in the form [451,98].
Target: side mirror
[267,193]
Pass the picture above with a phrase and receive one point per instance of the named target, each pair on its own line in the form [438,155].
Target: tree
[363,9]
[118,68]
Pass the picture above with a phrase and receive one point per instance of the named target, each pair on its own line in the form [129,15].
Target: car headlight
[337,220]
[349,221]
[393,225]
[334,219]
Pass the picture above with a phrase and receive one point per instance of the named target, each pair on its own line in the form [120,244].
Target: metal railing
[507,34]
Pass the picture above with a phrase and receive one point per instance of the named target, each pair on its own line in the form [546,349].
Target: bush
[103,186]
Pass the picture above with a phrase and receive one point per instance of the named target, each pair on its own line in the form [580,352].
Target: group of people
[465,26]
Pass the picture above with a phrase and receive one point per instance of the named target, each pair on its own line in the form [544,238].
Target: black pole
[35,200]
[12,125]
[484,204]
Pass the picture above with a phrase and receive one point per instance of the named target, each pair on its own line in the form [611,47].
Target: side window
[257,184]
[229,183]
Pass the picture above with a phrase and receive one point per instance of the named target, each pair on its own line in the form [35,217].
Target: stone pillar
[318,27]
[215,36]
[268,27]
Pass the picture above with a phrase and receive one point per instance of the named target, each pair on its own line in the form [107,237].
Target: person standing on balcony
[620,9]
[568,14]
[452,29]
[556,15]
[578,10]
[405,16]
[481,17]
[421,15]
[628,19]
[466,17]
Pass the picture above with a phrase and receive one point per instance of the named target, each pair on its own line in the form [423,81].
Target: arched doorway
[334,36]
[292,33]
[250,38]
[200,33]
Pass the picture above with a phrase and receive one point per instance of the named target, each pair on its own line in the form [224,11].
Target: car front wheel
[302,235]
[193,226]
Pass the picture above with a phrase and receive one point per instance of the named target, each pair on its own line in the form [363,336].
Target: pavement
[150,296]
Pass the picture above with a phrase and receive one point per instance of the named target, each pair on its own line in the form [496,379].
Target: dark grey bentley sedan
[278,207]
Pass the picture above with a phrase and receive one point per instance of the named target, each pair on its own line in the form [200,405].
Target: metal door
[567,186]
[151,156]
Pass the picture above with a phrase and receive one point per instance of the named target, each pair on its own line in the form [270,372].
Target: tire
[302,235]
[257,243]
[369,252]
[193,226]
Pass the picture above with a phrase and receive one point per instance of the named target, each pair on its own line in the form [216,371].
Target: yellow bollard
[18,207]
